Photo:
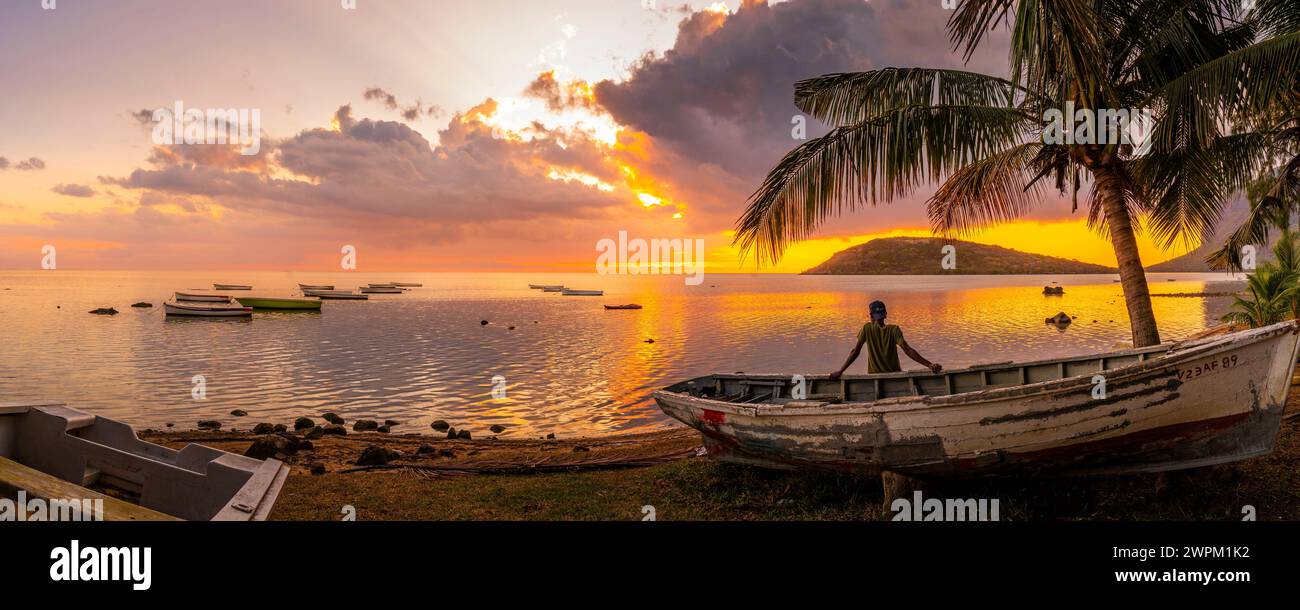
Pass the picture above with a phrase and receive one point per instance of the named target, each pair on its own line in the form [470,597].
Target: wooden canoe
[203,298]
[550,287]
[628,306]
[56,453]
[215,310]
[231,287]
[1183,405]
[569,292]
[306,287]
[280,304]
[407,285]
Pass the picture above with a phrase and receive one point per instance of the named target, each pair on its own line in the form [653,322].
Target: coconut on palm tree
[992,146]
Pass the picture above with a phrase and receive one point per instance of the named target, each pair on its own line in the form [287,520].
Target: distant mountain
[924,256]
[1234,213]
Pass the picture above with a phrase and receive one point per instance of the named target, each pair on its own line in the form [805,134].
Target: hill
[924,256]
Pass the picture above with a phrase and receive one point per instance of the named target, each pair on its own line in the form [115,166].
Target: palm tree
[1272,296]
[1191,62]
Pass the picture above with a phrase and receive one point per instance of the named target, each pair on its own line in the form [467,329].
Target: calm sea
[569,366]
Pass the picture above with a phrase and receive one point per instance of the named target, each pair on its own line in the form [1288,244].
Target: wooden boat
[547,287]
[1184,405]
[335,295]
[629,306]
[280,303]
[553,289]
[203,298]
[306,287]
[381,285]
[569,292]
[213,310]
[231,287]
[381,290]
[407,285]
[62,455]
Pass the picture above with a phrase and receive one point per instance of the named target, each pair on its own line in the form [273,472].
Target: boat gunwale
[1175,355]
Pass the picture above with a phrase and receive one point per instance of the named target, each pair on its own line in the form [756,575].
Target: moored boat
[380,290]
[206,310]
[203,298]
[339,295]
[553,289]
[570,292]
[280,303]
[381,285]
[547,287]
[306,287]
[407,285]
[231,287]
[1202,402]
[628,306]
[53,452]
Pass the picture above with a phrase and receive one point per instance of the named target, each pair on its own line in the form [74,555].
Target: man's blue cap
[877,309]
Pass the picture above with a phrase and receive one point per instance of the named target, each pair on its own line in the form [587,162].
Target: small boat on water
[231,287]
[380,290]
[334,294]
[629,306]
[553,289]
[547,287]
[203,298]
[280,303]
[1177,405]
[407,285]
[206,310]
[381,285]
[305,287]
[53,452]
[569,292]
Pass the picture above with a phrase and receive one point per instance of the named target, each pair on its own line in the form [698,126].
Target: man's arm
[853,355]
[915,355]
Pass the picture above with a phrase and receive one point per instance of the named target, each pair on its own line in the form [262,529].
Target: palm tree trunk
[1137,298]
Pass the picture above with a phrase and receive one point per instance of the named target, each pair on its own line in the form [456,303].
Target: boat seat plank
[15,477]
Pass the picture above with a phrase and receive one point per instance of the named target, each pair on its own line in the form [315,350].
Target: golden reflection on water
[570,366]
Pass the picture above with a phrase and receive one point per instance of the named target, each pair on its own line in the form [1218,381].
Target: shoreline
[623,477]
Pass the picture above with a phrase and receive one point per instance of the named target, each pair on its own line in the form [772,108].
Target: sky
[439,135]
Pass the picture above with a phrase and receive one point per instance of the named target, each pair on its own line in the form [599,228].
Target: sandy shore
[628,477]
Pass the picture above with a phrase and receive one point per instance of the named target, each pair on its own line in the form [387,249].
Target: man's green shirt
[882,347]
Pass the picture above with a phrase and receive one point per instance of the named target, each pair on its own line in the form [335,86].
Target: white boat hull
[1207,402]
[205,311]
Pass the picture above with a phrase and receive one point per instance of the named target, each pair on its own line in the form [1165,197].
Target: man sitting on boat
[882,341]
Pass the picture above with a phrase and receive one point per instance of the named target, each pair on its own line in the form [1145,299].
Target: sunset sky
[437,135]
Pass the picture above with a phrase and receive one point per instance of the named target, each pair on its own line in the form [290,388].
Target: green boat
[278,303]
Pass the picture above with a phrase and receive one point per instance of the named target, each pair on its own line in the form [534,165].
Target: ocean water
[568,367]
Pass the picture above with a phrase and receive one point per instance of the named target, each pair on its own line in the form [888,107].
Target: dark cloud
[32,164]
[560,97]
[723,95]
[74,190]
[409,113]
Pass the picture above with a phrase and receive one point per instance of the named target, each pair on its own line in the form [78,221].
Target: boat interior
[50,451]
[778,389]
